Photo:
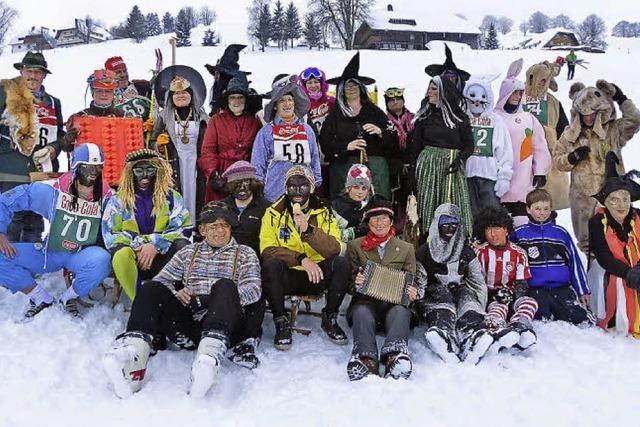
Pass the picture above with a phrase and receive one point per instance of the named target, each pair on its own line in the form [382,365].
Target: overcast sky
[60,13]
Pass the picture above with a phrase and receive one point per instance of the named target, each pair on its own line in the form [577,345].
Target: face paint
[478,99]
[241,189]
[447,231]
[618,204]
[144,175]
[89,174]
[298,189]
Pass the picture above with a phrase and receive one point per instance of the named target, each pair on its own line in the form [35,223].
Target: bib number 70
[82,231]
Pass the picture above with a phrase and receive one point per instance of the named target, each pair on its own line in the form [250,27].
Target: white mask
[477,98]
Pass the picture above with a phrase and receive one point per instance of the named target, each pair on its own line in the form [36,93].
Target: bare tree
[592,32]
[207,15]
[504,24]
[344,16]
[563,21]
[539,22]
[7,17]
[524,28]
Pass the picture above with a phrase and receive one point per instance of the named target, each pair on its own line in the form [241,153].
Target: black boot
[332,329]
[282,339]
[244,353]
[360,367]
[34,309]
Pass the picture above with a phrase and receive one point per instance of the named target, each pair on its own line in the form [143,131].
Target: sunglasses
[311,73]
[147,171]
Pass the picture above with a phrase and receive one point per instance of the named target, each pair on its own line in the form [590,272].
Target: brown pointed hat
[351,72]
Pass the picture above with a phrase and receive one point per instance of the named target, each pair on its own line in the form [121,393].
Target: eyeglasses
[311,73]
[394,92]
[148,171]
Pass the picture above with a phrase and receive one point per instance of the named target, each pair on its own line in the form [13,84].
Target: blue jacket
[553,257]
[37,197]
[272,172]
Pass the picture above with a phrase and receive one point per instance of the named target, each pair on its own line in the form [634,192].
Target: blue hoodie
[553,257]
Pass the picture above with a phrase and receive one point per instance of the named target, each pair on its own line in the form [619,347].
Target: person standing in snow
[204,298]
[531,157]
[489,168]
[73,206]
[571,59]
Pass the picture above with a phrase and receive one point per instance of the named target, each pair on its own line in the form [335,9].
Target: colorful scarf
[404,125]
[371,241]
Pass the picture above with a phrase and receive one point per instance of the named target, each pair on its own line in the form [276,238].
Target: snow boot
[126,363]
[332,329]
[504,338]
[475,345]
[360,367]
[442,344]
[398,365]
[204,370]
[282,340]
[527,335]
[33,310]
[244,353]
[70,307]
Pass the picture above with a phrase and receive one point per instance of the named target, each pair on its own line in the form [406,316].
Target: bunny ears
[515,68]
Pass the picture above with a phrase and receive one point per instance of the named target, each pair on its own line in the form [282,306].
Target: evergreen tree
[135,26]
[183,29]
[311,31]
[277,24]
[491,42]
[262,28]
[292,27]
[168,25]
[210,38]
[152,25]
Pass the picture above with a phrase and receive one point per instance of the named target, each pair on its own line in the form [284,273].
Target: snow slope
[50,372]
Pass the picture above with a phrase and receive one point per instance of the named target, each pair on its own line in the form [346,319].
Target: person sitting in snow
[143,223]
[370,314]
[557,274]
[455,293]
[74,212]
[207,296]
[506,271]
[490,167]
[349,207]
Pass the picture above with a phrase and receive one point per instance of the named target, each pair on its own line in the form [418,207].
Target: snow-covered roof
[515,39]
[424,18]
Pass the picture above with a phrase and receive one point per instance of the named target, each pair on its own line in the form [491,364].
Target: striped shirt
[199,266]
[502,267]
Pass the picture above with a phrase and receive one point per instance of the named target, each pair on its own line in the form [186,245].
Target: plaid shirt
[199,266]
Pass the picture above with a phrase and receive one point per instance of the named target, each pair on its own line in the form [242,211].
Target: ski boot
[332,329]
[527,335]
[282,340]
[398,365]
[360,367]
[244,353]
[126,363]
[207,362]
[442,344]
[475,345]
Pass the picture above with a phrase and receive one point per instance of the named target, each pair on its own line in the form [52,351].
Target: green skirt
[435,186]
[379,171]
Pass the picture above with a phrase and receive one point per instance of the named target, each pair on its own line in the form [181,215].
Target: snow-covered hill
[50,372]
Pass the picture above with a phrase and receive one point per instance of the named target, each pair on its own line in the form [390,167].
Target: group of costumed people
[222,215]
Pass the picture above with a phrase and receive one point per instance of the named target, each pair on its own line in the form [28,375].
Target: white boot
[207,363]
[126,363]
[442,344]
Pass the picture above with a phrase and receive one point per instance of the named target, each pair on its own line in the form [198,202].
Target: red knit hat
[115,63]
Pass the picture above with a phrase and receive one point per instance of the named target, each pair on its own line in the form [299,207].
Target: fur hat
[115,63]
[240,170]
[589,100]
[358,175]
[546,71]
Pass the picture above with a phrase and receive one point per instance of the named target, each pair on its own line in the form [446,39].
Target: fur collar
[20,115]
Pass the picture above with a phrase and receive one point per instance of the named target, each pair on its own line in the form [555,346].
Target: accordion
[385,284]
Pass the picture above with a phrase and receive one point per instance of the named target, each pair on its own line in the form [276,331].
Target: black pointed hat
[614,182]
[439,69]
[351,72]
[228,62]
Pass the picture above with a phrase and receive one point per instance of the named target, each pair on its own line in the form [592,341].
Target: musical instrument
[385,284]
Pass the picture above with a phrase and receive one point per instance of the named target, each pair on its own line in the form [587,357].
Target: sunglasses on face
[145,171]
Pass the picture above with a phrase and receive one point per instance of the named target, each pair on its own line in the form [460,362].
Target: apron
[188,157]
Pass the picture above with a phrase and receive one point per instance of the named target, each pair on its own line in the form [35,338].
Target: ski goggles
[103,79]
[149,171]
[394,92]
[311,73]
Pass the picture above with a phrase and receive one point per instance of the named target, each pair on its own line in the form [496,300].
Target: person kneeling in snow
[74,213]
[369,313]
[455,292]
[506,270]
[207,296]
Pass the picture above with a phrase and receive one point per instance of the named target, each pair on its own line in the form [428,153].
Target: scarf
[403,124]
[371,241]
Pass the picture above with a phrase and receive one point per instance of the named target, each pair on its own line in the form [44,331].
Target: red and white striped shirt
[502,267]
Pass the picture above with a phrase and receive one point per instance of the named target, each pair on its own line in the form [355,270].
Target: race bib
[290,144]
[71,229]
[136,107]
[539,108]
[482,129]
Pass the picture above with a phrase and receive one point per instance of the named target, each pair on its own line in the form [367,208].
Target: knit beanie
[301,170]
[239,170]
[358,175]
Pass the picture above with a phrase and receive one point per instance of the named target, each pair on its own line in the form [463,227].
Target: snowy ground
[50,372]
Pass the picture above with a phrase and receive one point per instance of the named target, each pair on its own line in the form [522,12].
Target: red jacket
[228,139]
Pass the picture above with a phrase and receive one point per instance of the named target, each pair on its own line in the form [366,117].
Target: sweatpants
[90,266]
[279,280]
[156,311]
[558,304]
[370,316]
[482,194]
[126,269]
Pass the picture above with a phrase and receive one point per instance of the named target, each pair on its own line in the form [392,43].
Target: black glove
[217,182]
[633,277]
[520,289]
[503,295]
[69,139]
[539,181]
[619,97]
[580,153]
[455,166]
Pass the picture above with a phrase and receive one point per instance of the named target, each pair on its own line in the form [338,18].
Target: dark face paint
[89,174]
[241,189]
[144,175]
[298,189]
[447,231]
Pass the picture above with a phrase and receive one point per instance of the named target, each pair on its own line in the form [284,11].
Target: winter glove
[618,97]
[633,277]
[43,155]
[217,182]
[539,181]
[501,187]
[455,166]
[520,289]
[580,153]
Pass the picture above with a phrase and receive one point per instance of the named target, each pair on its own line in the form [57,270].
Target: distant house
[413,29]
[562,39]
[80,34]
[38,39]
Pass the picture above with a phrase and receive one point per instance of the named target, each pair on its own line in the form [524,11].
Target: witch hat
[228,62]
[439,69]
[351,72]
[614,182]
